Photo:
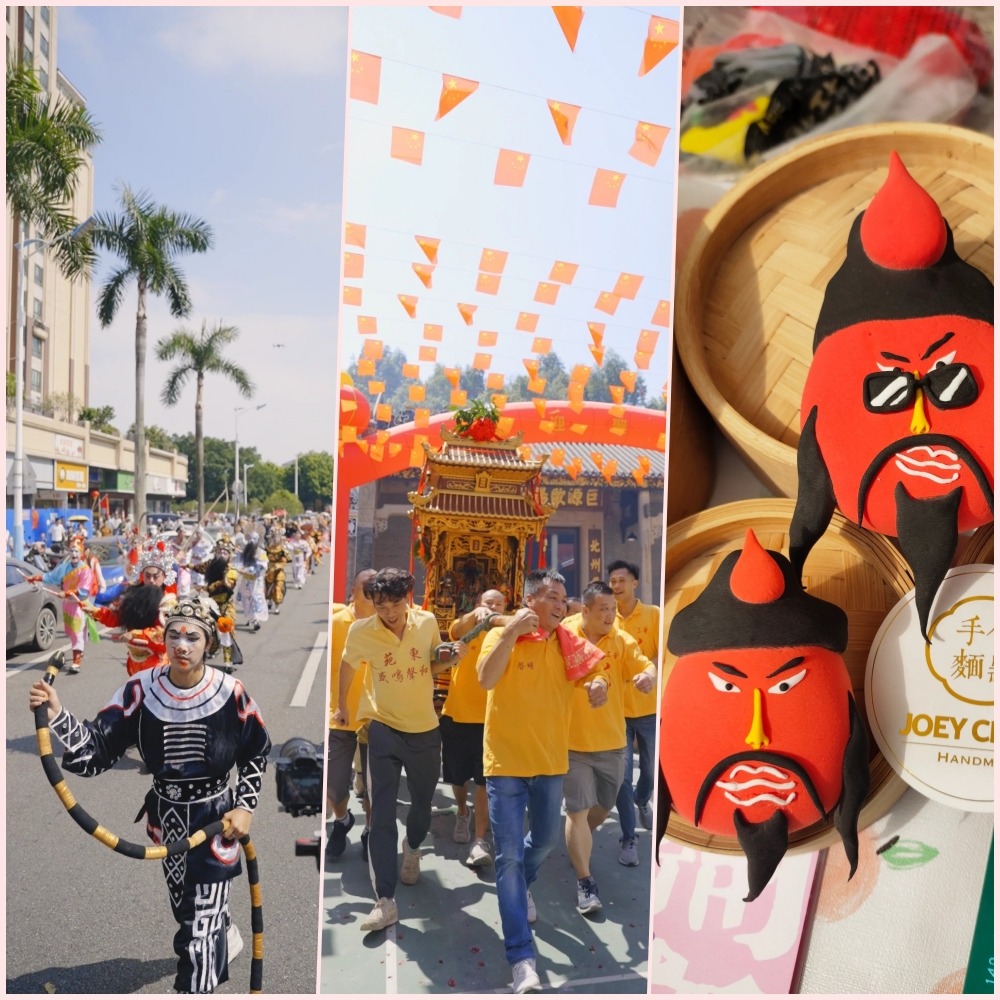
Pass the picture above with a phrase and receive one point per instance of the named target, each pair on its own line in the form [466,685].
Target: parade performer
[191,724]
[76,581]
[274,578]
[251,564]
[140,609]
[221,579]
[299,548]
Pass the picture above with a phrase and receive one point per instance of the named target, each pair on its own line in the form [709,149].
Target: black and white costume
[190,739]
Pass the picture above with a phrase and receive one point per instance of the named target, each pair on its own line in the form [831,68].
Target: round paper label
[930,705]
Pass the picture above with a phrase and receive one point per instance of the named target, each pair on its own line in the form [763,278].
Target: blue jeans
[519,854]
[641,730]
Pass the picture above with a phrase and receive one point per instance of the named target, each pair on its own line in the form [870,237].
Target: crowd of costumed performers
[242,574]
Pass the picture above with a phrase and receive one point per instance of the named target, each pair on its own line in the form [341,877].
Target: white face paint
[186,647]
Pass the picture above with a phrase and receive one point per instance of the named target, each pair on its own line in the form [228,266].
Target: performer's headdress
[202,612]
[150,552]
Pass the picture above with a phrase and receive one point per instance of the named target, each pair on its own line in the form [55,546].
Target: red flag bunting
[546,293]
[467,311]
[354,235]
[488,284]
[409,303]
[661,317]
[649,140]
[352,295]
[407,145]
[563,271]
[429,245]
[607,302]
[512,167]
[433,331]
[526,322]
[367,325]
[564,115]
[661,39]
[425,273]
[366,72]
[454,90]
[570,19]
[493,261]
[354,265]
[628,285]
[606,188]
[487,338]
[455,12]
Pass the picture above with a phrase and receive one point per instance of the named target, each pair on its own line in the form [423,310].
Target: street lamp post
[23,250]
[236,468]
[246,485]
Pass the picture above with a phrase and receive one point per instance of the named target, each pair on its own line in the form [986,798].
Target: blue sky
[235,115]
[521,59]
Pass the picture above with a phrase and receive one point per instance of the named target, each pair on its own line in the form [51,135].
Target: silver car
[32,613]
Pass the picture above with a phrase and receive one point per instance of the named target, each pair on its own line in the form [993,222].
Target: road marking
[301,696]
[41,658]
[558,982]
[391,961]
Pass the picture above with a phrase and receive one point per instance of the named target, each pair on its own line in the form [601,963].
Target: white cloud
[284,217]
[290,41]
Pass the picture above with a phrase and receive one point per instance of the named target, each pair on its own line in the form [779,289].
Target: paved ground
[448,939]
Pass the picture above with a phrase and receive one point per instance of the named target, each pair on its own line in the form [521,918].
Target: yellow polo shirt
[466,701]
[528,711]
[643,624]
[594,729]
[398,687]
[341,620]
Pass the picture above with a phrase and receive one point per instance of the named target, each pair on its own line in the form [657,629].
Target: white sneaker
[525,977]
[532,912]
[234,940]
[479,855]
[384,914]
[461,833]
[410,870]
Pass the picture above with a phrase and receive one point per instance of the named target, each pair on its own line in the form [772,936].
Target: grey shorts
[593,779]
[340,763]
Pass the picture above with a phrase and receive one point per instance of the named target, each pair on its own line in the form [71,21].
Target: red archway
[590,423]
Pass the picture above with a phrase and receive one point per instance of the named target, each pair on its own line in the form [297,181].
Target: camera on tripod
[299,773]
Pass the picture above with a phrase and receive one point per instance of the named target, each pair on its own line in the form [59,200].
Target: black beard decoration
[927,530]
[139,606]
[215,571]
[765,844]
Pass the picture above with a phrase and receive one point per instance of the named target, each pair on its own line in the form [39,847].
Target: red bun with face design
[897,411]
[759,734]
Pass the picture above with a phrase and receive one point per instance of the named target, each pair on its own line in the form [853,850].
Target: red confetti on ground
[452,983]
[593,948]
[474,950]
[482,964]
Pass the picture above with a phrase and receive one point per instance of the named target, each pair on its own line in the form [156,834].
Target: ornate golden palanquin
[474,510]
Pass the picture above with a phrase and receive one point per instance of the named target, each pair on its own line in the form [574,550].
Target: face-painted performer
[141,605]
[192,725]
[76,582]
[897,410]
[759,733]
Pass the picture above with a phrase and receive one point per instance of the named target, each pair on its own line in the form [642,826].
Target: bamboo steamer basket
[857,570]
[752,285]
[979,548]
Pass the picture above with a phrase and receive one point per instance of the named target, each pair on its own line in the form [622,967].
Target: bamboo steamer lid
[857,570]
[752,285]
[979,548]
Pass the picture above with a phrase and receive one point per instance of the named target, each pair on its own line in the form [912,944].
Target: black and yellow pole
[146,852]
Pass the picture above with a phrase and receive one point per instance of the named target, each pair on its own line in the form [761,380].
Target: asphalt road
[82,919]
[448,939]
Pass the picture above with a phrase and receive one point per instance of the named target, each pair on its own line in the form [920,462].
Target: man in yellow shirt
[642,622]
[597,737]
[343,740]
[401,646]
[523,666]
[463,719]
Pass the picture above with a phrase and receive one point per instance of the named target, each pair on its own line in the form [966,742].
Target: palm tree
[147,238]
[48,140]
[201,354]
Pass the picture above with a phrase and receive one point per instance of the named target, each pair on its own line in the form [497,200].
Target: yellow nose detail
[757,738]
[918,422]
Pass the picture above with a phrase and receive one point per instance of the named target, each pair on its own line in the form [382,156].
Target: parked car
[32,613]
